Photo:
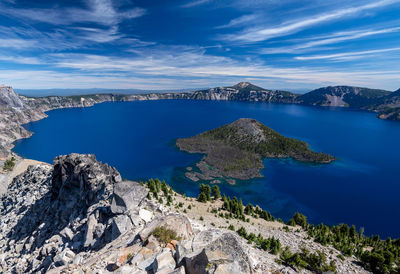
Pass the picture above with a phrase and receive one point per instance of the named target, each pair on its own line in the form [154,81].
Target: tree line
[376,255]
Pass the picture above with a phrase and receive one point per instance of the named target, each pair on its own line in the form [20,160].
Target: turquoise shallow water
[361,188]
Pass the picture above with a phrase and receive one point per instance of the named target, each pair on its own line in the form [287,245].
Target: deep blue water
[361,188]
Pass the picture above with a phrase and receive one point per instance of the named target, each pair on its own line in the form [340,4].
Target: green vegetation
[165,235]
[298,219]
[205,193]
[237,210]
[216,192]
[9,164]
[271,244]
[315,262]
[155,186]
[375,254]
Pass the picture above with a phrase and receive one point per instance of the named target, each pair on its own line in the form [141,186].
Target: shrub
[165,235]
[9,164]
[298,219]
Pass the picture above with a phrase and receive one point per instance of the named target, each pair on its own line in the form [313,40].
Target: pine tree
[164,188]
[216,192]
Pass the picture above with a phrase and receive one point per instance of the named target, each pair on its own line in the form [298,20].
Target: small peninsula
[236,151]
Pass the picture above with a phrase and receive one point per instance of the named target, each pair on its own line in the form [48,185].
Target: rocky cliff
[13,113]
[342,96]
[385,103]
[80,217]
[245,91]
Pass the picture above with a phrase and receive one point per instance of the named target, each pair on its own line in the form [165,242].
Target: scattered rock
[145,215]
[164,261]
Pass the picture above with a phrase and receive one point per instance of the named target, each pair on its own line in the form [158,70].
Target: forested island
[236,150]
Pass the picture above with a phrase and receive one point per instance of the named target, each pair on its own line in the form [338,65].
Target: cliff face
[78,216]
[13,113]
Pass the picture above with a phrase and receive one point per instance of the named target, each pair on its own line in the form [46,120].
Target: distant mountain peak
[243,84]
[247,86]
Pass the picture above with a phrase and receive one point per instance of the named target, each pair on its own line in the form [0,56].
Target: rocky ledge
[79,216]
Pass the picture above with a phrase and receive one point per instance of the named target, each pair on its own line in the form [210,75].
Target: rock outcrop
[53,213]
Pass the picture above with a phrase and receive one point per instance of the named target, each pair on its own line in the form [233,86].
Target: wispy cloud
[16,43]
[346,55]
[166,63]
[324,40]
[101,12]
[239,21]
[262,34]
[195,3]
[21,59]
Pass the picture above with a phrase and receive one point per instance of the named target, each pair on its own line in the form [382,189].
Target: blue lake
[361,188]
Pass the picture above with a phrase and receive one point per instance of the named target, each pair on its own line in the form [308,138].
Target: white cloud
[347,55]
[262,34]
[21,59]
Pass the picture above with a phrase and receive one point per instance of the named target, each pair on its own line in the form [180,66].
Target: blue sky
[144,44]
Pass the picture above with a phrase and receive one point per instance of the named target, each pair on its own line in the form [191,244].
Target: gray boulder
[224,255]
[179,223]
[164,261]
[64,257]
[120,224]
[127,196]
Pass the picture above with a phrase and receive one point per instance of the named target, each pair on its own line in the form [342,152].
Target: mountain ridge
[17,109]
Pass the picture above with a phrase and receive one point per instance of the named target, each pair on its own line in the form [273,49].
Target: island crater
[236,150]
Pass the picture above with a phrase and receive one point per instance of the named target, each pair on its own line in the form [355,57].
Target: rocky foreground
[79,216]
